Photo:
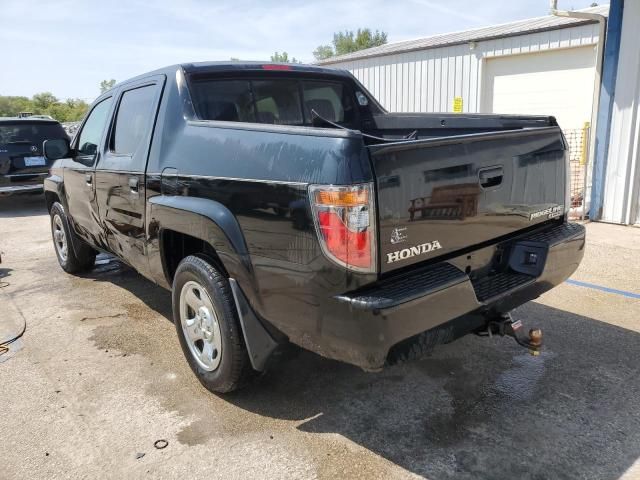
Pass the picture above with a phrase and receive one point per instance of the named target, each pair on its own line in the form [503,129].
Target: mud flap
[73,238]
[260,344]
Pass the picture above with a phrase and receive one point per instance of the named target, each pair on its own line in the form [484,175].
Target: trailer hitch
[504,325]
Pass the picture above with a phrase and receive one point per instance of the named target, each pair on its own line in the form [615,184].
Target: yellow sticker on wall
[457,104]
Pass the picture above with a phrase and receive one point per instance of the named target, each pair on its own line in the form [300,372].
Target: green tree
[42,101]
[11,106]
[61,112]
[283,58]
[322,52]
[107,85]
[348,41]
[71,110]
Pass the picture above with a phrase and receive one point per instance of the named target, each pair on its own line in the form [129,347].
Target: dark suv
[23,166]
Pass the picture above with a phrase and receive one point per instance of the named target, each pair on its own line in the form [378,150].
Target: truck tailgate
[441,195]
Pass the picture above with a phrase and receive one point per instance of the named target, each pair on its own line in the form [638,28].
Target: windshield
[29,133]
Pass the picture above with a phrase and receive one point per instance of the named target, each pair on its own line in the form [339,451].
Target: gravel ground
[99,377]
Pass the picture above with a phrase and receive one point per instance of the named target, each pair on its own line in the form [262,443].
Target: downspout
[602,29]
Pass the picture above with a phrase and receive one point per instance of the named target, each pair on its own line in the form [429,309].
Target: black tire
[234,368]
[79,257]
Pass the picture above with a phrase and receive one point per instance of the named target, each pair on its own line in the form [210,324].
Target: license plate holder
[34,161]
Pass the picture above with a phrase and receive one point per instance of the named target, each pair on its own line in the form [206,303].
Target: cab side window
[92,130]
[132,126]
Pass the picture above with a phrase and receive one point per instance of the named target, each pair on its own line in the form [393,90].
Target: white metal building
[619,184]
[542,65]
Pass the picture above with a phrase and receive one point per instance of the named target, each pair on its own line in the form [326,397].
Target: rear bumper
[360,327]
[12,188]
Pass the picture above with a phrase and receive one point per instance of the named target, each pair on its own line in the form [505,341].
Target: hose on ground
[4,345]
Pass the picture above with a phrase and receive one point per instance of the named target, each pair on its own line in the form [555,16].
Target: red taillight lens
[352,248]
[270,66]
[346,224]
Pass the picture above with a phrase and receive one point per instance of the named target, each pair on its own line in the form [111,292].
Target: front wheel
[74,256]
[207,324]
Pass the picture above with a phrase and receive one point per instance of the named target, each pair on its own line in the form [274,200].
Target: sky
[68,46]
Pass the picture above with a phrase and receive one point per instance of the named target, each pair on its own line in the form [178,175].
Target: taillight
[270,66]
[345,221]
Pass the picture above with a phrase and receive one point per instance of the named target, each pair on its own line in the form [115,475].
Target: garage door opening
[558,83]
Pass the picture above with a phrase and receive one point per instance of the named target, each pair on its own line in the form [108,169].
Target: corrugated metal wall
[621,202]
[428,80]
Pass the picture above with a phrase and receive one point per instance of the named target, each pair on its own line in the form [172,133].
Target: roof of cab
[259,66]
[227,66]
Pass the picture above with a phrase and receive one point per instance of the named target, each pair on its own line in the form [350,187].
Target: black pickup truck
[282,203]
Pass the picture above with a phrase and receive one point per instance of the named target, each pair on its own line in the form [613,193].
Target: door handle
[490,177]
[88,178]
[133,184]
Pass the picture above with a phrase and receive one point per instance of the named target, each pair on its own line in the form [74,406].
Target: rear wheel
[74,255]
[207,324]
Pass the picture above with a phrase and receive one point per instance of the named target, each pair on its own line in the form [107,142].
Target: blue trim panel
[607,94]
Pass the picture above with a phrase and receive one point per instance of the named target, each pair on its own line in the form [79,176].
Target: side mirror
[88,148]
[56,148]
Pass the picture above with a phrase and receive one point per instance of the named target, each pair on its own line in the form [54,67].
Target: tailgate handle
[490,177]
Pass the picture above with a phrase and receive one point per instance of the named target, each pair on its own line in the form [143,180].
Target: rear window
[277,101]
[32,133]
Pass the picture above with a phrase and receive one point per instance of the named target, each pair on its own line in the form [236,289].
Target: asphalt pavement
[99,377]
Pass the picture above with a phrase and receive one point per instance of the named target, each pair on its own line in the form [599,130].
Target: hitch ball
[535,341]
